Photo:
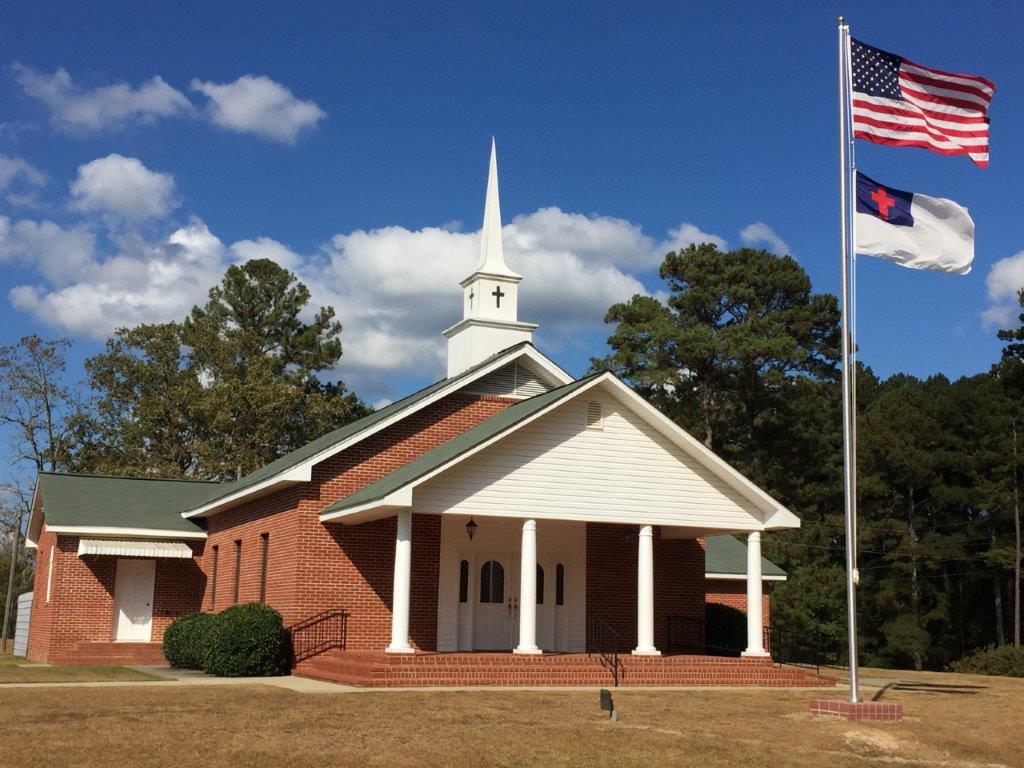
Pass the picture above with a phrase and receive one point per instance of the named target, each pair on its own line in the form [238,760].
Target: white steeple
[490,295]
[492,254]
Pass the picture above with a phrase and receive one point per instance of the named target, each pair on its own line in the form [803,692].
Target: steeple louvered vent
[595,418]
[512,380]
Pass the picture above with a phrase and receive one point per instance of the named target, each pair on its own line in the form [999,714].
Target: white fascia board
[128,533]
[741,577]
[776,515]
[302,473]
[35,520]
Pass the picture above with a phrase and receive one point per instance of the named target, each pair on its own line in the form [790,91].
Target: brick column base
[861,710]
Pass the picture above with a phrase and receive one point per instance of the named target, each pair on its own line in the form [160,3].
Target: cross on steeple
[497,294]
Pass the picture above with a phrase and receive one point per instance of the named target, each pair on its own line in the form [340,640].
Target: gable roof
[458,445]
[105,504]
[726,557]
[296,466]
[394,491]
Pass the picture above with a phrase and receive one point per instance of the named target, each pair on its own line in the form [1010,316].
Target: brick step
[369,669]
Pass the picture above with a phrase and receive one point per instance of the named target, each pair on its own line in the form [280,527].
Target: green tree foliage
[743,355]
[229,389]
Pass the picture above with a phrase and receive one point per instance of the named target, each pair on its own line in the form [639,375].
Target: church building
[508,524]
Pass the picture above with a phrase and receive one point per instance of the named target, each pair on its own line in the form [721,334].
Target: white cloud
[110,106]
[686,235]
[266,248]
[58,254]
[1005,279]
[123,185]
[257,104]
[141,283]
[760,233]
[393,288]
[14,169]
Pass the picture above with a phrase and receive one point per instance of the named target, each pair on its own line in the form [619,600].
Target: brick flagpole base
[861,710]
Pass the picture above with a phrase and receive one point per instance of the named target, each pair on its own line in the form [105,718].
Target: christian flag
[913,230]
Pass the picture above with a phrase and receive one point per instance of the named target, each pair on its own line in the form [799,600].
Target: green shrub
[186,640]
[247,641]
[1006,660]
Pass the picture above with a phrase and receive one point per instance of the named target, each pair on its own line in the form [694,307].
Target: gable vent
[512,380]
[595,420]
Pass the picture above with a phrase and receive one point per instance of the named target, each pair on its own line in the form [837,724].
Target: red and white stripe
[941,111]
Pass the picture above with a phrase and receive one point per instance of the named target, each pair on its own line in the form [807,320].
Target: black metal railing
[606,643]
[324,631]
[806,649]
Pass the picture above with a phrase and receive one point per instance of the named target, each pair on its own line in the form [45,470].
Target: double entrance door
[496,613]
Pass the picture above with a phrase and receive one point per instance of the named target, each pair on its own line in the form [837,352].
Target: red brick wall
[734,594]
[314,567]
[612,579]
[81,609]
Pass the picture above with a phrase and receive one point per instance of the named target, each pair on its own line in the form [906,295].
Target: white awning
[177,549]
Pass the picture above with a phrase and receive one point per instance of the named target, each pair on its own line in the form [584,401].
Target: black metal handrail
[606,643]
[318,633]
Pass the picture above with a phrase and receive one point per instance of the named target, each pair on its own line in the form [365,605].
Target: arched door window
[492,582]
[559,584]
[540,585]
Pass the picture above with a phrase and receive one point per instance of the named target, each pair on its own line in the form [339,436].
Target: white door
[496,618]
[133,600]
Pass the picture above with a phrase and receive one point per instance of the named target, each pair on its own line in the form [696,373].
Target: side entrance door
[133,600]
[496,618]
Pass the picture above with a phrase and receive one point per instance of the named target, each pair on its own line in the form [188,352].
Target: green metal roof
[306,452]
[727,554]
[122,502]
[455,447]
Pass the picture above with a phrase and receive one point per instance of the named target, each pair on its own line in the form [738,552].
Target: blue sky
[350,143]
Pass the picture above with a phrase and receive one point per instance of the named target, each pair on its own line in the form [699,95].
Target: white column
[755,630]
[401,588]
[528,590]
[645,594]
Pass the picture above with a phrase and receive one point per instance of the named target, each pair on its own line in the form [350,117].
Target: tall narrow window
[238,570]
[264,553]
[49,573]
[540,585]
[464,581]
[213,577]
[559,584]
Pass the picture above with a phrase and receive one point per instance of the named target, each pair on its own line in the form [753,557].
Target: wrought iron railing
[324,631]
[606,643]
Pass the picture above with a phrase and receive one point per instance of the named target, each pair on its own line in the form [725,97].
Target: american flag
[898,102]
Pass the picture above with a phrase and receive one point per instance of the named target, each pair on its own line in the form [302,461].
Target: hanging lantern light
[471,528]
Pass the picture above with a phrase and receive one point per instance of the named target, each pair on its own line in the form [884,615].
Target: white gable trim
[742,577]
[303,472]
[35,520]
[128,533]
[775,515]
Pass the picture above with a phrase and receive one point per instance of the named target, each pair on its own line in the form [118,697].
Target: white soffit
[166,549]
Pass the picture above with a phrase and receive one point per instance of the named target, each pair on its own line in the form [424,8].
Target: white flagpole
[849,412]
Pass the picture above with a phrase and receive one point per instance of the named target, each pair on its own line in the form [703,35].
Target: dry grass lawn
[12,671]
[966,721]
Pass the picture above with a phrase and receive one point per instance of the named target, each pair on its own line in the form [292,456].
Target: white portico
[578,501]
